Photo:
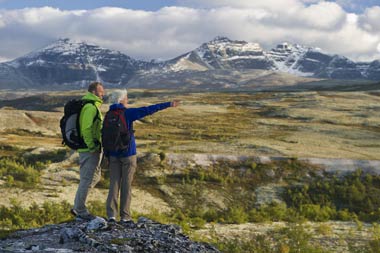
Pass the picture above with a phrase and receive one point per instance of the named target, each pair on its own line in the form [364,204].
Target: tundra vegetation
[306,203]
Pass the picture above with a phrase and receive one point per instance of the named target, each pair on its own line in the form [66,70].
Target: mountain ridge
[70,63]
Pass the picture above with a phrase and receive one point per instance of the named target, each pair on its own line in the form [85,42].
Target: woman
[122,163]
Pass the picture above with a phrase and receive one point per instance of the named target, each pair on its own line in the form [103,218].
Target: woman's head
[119,96]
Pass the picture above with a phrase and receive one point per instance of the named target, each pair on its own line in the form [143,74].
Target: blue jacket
[132,114]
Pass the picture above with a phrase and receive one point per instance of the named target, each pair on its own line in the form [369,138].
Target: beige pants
[122,170]
[90,173]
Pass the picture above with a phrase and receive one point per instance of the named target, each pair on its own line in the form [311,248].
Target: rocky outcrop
[329,165]
[100,236]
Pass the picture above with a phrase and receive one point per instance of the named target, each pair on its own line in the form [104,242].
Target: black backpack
[70,123]
[116,135]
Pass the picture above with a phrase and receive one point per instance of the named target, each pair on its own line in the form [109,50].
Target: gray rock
[270,173]
[147,236]
[97,223]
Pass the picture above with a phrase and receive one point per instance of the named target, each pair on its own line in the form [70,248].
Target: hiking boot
[111,220]
[127,223]
[85,217]
[73,212]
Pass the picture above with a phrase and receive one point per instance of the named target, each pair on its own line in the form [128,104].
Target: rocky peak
[223,53]
[220,39]
[226,47]
[66,45]
[70,50]
[100,236]
[291,47]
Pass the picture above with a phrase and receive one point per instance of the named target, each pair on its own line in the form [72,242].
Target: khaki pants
[90,173]
[122,170]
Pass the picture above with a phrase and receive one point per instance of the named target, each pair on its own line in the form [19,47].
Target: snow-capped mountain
[223,53]
[307,61]
[67,62]
[220,62]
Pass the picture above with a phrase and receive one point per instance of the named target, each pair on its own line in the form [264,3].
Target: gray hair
[116,96]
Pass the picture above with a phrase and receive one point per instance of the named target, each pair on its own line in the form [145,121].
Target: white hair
[116,96]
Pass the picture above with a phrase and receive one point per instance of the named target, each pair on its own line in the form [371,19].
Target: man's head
[119,96]
[97,89]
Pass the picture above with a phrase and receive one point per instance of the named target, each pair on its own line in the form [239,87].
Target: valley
[223,165]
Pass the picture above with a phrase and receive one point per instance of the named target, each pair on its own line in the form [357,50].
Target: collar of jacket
[116,106]
[92,97]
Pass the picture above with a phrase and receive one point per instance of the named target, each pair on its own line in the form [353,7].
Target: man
[90,123]
[122,163]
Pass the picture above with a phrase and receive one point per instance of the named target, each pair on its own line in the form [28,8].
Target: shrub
[259,244]
[256,215]
[54,156]
[344,215]
[18,217]
[343,198]
[324,229]
[236,215]
[211,215]
[297,239]
[18,174]
[97,207]
[317,213]
[198,223]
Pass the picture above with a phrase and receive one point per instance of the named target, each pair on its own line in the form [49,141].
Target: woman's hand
[175,103]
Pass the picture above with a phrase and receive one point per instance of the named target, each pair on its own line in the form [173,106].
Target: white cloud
[274,5]
[3,59]
[323,15]
[171,31]
[370,19]
[311,1]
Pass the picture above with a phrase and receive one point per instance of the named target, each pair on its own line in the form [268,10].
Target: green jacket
[90,129]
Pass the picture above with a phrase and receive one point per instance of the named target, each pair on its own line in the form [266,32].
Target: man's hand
[175,103]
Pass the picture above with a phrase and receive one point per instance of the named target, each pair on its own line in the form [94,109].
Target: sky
[163,29]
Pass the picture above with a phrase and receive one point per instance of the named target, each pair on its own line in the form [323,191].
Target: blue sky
[356,6]
[163,29]
[150,5]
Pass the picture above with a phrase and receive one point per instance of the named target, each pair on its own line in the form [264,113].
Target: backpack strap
[123,118]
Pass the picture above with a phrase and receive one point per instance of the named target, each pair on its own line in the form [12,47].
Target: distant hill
[218,64]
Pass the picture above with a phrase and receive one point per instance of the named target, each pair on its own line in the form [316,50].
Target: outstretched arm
[138,113]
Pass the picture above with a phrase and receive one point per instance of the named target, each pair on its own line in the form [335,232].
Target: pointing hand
[175,103]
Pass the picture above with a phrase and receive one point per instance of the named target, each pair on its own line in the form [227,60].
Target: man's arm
[88,114]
